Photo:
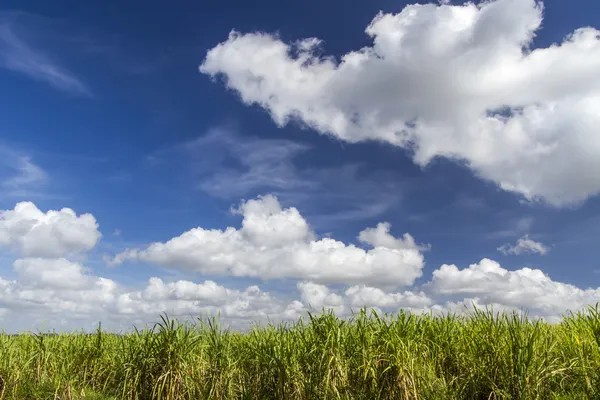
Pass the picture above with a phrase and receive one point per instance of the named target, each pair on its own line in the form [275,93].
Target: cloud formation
[16,55]
[488,283]
[20,176]
[30,232]
[26,174]
[185,298]
[454,81]
[524,246]
[49,287]
[62,292]
[317,297]
[275,243]
[231,165]
[259,164]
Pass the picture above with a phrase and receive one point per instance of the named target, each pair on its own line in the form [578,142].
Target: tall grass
[485,355]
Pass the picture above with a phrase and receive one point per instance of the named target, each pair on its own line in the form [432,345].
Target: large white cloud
[272,242]
[526,288]
[56,286]
[457,81]
[38,296]
[68,296]
[57,273]
[65,294]
[30,232]
[278,243]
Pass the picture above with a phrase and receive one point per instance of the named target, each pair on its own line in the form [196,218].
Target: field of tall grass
[484,355]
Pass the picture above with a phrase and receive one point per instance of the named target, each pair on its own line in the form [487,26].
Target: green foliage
[485,355]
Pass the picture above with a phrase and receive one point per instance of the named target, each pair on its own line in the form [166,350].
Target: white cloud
[532,289]
[59,291]
[57,273]
[380,237]
[16,55]
[30,232]
[469,305]
[278,243]
[266,224]
[361,296]
[66,295]
[56,286]
[316,297]
[272,242]
[53,291]
[185,298]
[456,81]
[524,246]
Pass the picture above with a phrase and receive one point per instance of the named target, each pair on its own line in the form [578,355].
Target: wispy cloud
[19,175]
[228,165]
[524,246]
[123,55]
[514,228]
[17,55]
[27,174]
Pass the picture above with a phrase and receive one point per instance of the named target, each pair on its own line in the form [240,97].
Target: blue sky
[103,109]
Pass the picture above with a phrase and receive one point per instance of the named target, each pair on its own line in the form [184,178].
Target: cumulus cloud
[185,298]
[62,294]
[48,287]
[57,290]
[524,246]
[66,294]
[57,273]
[380,237]
[277,243]
[488,283]
[272,242]
[30,232]
[317,297]
[455,81]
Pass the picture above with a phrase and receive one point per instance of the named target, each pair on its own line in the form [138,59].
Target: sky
[257,161]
